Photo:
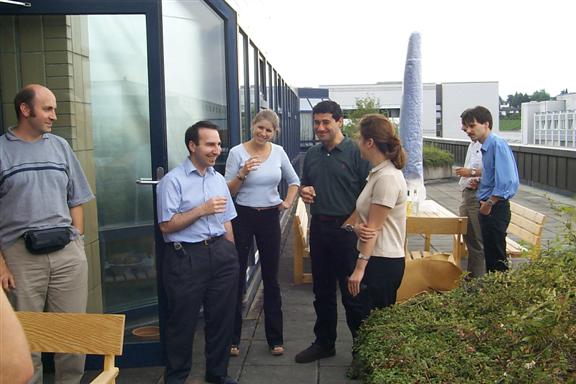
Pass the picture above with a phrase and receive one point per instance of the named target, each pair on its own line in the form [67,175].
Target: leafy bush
[514,327]
[436,157]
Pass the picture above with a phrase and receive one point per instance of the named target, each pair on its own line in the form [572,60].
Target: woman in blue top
[253,171]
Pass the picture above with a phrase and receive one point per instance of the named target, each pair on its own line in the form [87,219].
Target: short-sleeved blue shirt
[184,188]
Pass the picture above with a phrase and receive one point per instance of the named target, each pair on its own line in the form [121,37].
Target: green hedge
[514,327]
[436,157]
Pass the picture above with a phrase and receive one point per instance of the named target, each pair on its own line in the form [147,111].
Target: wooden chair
[301,245]
[93,334]
[428,226]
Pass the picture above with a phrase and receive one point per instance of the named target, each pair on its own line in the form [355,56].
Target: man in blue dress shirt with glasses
[499,183]
[200,265]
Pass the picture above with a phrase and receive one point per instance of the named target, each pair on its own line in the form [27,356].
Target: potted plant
[437,163]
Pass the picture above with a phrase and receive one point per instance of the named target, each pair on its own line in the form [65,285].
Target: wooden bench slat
[528,213]
[301,247]
[524,234]
[83,333]
[527,225]
[73,332]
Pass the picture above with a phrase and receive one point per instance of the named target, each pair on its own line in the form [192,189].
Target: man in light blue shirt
[498,184]
[200,264]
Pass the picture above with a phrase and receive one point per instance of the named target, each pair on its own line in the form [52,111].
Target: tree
[540,95]
[364,106]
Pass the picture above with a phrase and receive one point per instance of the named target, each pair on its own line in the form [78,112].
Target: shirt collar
[189,167]
[488,142]
[10,135]
[385,164]
[340,146]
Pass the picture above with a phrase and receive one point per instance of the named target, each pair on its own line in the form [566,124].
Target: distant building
[309,97]
[443,103]
[550,123]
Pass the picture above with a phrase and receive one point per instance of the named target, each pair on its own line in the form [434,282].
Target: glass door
[102,60]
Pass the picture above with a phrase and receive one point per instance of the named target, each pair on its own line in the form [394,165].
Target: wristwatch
[490,202]
[473,172]
[348,227]
[362,257]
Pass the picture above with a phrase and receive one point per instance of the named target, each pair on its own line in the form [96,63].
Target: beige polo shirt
[386,186]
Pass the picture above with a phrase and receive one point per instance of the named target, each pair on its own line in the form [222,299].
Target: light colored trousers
[54,282]
[470,208]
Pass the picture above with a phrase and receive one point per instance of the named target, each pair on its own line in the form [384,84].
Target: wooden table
[432,218]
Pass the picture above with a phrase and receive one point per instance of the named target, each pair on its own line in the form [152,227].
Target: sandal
[234,350]
[277,350]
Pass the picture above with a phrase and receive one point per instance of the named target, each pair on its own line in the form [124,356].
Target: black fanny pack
[41,241]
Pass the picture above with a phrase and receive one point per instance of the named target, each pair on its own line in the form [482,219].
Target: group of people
[357,196]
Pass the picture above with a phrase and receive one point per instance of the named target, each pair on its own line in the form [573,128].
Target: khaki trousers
[470,208]
[54,282]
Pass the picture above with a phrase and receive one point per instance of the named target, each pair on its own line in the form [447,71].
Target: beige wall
[53,51]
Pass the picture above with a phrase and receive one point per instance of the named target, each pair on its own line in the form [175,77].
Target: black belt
[177,245]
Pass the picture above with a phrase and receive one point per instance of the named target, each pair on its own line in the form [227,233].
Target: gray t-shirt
[39,182]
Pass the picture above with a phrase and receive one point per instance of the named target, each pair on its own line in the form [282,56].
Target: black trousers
[494,227]
[265,226]
[382,279]
[333,254]
[199,275]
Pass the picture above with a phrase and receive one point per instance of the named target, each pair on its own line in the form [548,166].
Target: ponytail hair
[378,128]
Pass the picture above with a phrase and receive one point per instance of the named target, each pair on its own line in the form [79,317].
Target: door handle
[149,180]
[146,181]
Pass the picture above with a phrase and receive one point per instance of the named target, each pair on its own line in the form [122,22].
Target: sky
[525,45]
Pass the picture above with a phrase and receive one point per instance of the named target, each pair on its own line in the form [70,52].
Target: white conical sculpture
[411,112]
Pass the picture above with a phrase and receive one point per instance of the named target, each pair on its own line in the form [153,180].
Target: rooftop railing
[543,167]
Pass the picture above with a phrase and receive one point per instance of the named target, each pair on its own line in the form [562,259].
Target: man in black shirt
[333,177]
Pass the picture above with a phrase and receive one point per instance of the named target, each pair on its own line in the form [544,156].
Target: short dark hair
[25,95]
[479,113]
[192,131]
[328,106]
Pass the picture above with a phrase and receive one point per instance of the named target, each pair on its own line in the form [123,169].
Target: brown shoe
[234,350]
[277,350]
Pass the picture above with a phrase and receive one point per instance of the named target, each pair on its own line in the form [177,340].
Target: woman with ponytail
[380,216]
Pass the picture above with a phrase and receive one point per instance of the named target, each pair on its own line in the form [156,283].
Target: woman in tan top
[380,216]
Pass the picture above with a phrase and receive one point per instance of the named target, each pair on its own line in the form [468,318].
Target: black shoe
[313,353]
[220,379]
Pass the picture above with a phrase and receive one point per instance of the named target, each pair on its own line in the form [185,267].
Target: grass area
[510,125]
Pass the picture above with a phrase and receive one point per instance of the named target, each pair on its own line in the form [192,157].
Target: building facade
[129,78]
[550,123]
[442,103]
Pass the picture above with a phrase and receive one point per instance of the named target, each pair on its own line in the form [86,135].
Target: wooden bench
[527,225]
[428,226]
[301,245]
[82,333]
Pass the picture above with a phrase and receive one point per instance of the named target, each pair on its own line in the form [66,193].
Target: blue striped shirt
[182,189]
[499,173]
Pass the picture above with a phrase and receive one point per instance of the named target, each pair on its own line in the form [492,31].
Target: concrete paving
[255,365]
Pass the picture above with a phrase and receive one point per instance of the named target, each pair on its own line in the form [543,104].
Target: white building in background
[550,123]
[443,103]
[454,98]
